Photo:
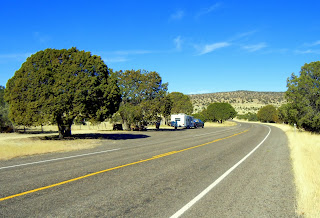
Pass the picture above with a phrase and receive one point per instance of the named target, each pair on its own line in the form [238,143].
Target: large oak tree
[59,86]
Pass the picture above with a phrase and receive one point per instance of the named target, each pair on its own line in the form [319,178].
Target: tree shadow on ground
[35,132]
[97,136]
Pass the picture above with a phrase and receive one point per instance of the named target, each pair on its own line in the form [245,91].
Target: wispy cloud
[243,35]
[115,59]
[316,43]
[211,47]
[208,10]
[178,15]
[308,51]
[178,43]
[121,55]
[255,47]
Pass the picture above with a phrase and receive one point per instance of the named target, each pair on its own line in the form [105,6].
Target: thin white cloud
[212,47]
[242,35]
[178,15]
[208,10]
[178,43]
[316,43]
[309,51]
[256,47]
[121,55]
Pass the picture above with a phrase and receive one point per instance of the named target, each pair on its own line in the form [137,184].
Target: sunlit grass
[20,145]
[305,155]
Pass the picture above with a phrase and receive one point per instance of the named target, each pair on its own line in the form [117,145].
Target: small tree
[143,95]
[268,114]
[181,103]
[59,86]
[303,95]
[220,112]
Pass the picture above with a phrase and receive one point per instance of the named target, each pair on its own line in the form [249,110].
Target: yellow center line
[117,167]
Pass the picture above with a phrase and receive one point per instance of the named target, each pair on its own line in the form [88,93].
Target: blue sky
[196,46]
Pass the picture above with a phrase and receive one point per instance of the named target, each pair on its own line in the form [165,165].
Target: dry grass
[17,145]
[305,155]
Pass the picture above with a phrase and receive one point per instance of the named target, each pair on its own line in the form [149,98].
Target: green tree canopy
[143,95]
[267,114]
[220,112]
[303,94]
[59,86]
[181,103]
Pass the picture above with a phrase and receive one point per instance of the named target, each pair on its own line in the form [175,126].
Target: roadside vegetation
[217,112]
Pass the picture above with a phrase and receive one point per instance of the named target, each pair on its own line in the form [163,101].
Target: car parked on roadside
[198,123]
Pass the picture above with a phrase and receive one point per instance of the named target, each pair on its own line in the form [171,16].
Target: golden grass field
[17,145]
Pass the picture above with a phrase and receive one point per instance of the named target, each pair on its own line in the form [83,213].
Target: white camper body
[182,120]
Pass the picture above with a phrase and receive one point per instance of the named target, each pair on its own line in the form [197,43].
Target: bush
[268,114]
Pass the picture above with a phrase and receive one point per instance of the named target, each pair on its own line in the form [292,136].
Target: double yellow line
[114,168]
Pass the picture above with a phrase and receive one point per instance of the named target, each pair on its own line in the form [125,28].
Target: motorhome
[182,120]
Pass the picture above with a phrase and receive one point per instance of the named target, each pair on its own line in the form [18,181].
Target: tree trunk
[64,129]
[67,132]
[61,130]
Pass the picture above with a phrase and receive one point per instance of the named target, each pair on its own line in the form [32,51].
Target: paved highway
[239,171]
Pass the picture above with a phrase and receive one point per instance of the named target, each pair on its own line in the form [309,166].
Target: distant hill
[242,101]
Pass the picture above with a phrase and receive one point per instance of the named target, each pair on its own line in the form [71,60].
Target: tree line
[67,86]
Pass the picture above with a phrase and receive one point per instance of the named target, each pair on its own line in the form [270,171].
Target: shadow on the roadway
[98,136]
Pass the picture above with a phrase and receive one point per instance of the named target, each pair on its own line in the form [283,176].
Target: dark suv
[198,123]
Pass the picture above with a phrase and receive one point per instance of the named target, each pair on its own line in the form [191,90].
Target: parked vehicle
[198,123]
[182,120]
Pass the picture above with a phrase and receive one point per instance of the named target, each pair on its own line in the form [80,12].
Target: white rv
[182,120]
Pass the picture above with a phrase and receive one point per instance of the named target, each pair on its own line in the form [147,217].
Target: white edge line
[204,192]
[61,158]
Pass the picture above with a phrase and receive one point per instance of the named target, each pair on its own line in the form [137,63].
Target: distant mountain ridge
[243,101]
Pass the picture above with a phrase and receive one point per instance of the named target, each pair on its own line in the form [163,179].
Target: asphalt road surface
[239,171]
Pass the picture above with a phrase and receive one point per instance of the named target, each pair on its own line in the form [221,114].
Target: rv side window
[177,119]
